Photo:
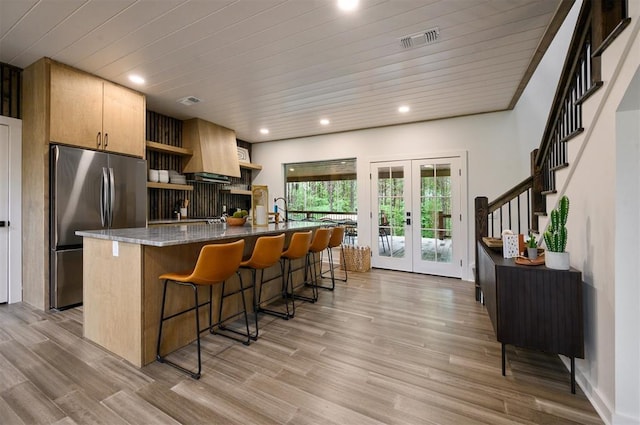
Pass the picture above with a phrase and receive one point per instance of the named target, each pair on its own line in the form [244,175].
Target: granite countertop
[180,234]
[176,221]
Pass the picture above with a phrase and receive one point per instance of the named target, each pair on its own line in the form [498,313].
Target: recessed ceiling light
[136,79]
[264,130]
[348,5]
[324,121]
[404,109]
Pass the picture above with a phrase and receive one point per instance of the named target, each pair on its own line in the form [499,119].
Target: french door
[416,216]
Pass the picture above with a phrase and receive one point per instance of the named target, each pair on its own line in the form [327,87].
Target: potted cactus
[555,237]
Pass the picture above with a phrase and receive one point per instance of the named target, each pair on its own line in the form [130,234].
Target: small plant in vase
[532,247]
[556,237]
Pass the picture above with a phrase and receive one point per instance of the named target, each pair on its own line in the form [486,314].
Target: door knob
[3,223]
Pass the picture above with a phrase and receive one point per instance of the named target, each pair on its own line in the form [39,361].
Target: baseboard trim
[601,405]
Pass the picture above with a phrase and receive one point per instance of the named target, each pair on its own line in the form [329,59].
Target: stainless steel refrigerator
[89,190]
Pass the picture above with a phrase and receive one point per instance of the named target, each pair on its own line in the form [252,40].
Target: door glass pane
[391,211]
[435,208]
[443,180]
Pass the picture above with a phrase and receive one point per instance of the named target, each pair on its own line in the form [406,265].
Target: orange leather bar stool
[216,263]
[266,253]
[298,248]
[336,241]
[318,244]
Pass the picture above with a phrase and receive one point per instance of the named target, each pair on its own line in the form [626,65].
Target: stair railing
[599,23]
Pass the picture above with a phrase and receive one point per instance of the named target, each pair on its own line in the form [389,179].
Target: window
[321,189]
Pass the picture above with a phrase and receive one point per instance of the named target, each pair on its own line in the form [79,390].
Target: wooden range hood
[214,148]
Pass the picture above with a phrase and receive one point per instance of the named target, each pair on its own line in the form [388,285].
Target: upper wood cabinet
[123,116]
[214,148]
[89,112]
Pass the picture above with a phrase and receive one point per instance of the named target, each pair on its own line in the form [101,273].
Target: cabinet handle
[98,139]
[106,140]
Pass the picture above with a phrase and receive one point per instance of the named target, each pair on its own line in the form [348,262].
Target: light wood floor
[387,347]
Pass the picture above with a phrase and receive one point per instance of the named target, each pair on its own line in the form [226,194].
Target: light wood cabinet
[76,107]
[89,112]
[123,117]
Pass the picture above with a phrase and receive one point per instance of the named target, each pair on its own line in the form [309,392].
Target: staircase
[523,209]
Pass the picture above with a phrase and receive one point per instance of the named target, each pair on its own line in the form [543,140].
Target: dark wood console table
[533,306]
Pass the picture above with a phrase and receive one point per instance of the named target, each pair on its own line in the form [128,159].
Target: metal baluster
[529,209]
[518,208]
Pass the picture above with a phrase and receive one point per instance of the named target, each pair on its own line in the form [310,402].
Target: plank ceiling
[284,65]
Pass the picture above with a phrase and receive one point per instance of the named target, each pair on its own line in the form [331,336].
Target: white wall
[627,259]
[487,139]
[532,110]
[602,184]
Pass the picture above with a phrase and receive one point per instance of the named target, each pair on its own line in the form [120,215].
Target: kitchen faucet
[286,209]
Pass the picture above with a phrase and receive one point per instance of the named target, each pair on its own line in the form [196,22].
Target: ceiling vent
[189,100]
[420,39]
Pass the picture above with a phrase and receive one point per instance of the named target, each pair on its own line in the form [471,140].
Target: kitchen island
[122,292]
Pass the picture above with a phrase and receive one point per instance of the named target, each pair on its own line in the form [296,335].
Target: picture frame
[243,154]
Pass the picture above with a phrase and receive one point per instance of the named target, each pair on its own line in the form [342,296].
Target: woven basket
[357,259]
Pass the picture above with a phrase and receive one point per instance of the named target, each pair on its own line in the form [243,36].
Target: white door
[4,213]
[391,215]
[437,227]
[417,216]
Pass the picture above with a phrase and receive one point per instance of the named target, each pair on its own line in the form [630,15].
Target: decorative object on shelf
[494,244]
[239,218]
[526,261]
[532,247]
[177,178]
[163,176]
[154,176]
[259,205]
[555,237]
[510,244]
[243,155]
[183,209]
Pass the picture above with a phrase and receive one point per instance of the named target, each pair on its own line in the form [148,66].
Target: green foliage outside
[435,203]
[340,196]
[328,196]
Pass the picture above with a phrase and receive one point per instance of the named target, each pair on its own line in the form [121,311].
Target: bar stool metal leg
[286,284]
[321,241]
[282,314]
[337,237]
[162,359]
[266,253]
[221,320]
[298,249]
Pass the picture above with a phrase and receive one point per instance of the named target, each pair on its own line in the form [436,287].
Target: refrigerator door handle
[103,197]
[112,196]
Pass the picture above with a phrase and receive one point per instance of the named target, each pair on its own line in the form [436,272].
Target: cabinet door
[76,107]
[123,120]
